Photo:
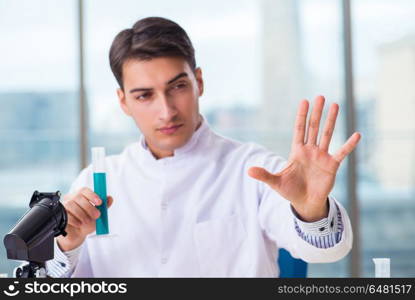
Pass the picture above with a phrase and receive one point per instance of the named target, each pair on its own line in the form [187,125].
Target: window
[384,47]
[259,59]
[38,105]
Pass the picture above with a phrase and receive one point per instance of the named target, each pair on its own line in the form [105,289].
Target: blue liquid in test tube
[100,188]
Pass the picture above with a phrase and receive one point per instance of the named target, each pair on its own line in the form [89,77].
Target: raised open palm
[310,173]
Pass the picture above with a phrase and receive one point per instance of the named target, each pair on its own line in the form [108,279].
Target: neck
[158,154]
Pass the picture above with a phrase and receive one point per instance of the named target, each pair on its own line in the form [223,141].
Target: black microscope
[31,239]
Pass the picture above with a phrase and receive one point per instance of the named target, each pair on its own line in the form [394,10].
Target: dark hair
[150,38]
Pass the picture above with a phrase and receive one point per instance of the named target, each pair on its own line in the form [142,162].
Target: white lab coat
[195,214]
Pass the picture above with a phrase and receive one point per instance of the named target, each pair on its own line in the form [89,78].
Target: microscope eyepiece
[31,238]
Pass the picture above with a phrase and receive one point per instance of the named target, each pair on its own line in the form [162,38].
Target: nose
[167,109]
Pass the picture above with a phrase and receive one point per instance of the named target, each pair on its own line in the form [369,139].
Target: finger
[73,221]
[300,122]
[314,122]
[262,175]
[88,208]
[110,200]
[329,127]
[347,147]
[91,196]
[78,212]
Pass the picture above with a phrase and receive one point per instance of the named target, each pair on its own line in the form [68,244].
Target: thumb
[110,200]
[262,175]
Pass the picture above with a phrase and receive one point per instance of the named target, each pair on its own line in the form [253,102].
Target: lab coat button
[164,260]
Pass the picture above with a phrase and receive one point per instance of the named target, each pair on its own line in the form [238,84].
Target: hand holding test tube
[86,213]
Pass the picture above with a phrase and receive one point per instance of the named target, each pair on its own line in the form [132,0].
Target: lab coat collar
[193,144]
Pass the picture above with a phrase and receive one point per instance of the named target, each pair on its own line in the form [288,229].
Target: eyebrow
[178,76]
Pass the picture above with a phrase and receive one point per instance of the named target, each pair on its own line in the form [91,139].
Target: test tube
[100,188]
[382,267]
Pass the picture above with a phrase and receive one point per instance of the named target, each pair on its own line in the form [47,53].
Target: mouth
[170,129]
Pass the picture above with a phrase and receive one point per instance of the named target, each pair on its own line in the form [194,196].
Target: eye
[179,86]
[143,97]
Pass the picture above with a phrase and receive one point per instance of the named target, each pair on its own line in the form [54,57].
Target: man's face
[162,96]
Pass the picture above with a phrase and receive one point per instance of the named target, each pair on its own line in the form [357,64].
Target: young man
[189,202]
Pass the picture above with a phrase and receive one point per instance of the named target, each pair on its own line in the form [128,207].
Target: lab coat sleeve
[323,233]
[278,222]
[73,263]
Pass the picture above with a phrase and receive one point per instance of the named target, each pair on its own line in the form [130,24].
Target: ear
[199,80]
[122,101]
